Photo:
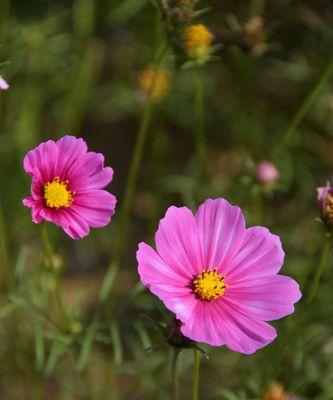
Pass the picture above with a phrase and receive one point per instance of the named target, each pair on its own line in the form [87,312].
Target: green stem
[199,119]
[259,205]
[174,374]
[4,254]
[305,107]
[319,272]
[131,185]
[46,242]
[48,250]
[196,374]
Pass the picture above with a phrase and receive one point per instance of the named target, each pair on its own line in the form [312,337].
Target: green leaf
[107,283]
[143,334]
[117,345]
[21,263]
[57,350]
[86,346]
[8,309]
[39,347]
[126,10]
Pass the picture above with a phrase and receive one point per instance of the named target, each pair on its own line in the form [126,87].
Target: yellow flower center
[56,194]
[197,35]
[209,285]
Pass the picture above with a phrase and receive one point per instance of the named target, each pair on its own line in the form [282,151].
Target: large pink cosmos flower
[218,277]
[66,186]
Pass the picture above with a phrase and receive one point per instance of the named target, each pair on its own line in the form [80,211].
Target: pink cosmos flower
[3,84]
[219,277]
[266,172]
[66,188]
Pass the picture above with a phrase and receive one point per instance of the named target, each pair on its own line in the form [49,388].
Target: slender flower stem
[131,183]
[174,374]
[305,107]
[199,119]
[48,249]
[196,374]
[4,254]
[319,272]
[46,242]
[301,316]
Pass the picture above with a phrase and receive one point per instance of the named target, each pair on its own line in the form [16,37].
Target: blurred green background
[73,68]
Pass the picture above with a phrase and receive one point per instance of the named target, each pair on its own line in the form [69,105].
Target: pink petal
[43,158]
[77,227]
[3,84]
[89,173]
[96,207]
[221,229]
[217,324]
[165,281]
[177,242]
[28,201]
[261,254]
[72,223]
[36,206]
[201,325]
[71,149]
[267,298]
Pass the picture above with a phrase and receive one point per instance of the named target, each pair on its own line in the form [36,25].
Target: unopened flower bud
[197,41]
[174,335]
[267,173]
[325,200]
[253,36]
[275,391]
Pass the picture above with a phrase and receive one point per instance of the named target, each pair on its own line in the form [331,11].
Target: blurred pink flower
[266,172]
[218,277]
[3,84]
[66,186]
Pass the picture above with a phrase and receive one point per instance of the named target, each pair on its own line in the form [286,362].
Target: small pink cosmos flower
[3,84]
[266,172]
[66,188]
[218,277]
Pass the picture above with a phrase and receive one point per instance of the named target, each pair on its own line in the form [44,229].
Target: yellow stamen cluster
[209,285]
[197,39]
[155,82]
[56,193]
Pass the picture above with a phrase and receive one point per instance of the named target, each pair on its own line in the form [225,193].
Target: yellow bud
[275,391]
[197,40]
[197,35]
[76,327]
[155,83]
